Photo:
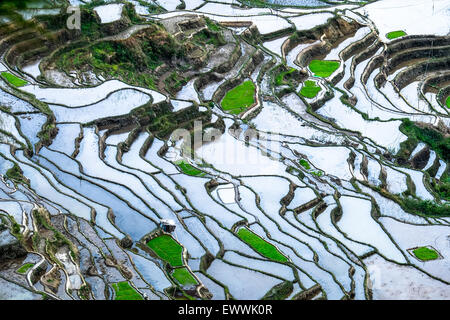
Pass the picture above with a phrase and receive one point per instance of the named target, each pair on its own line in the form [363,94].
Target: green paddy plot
[184,277]
[425,254]
[189,169]
[124,291]
[323,68]
[12,79]
[239,98]
[395,34]
[310,89]
[24,269]
[167,249]
[260,245]
[447,102]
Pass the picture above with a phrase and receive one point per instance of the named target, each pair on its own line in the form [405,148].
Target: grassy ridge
[431,137]
[260,245]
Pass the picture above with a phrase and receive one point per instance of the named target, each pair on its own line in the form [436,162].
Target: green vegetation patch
[189,169]
[260,245]
[12,79]
[395,34]
[310,89]
[426,207]
[305,164]
[184,277]
[15,174]
[24,269]
[323,68]
[280,78]
[317,173]
[425,254]
[167,249]
[431,137]
[280,292]
[124,291]
[239,98]
[447,102]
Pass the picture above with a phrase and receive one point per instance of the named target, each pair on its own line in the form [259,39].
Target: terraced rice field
[239,98]
[310,89]
[323,68]
[395,34]
[203,150]
[167,249]
[12,79]
[124,291]
[425,254]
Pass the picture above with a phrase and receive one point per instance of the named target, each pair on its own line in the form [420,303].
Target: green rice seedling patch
[12,79]
[260,245]
[425,254]
[239,98]
[310,89]
[395,34]
[167,249]
[189,169]
[184,277]
[24,269]
[305,164]
[124,291]
[323,68]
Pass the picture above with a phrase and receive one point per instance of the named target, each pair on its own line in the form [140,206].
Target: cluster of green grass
[323,68]
[425,254]
[189,169]
[24,269]
[167,249]
[447,102]
[133,60]
[15,174]
[279,79]
[124,291]
[239,98]
[426,207]
[57,241]
[442,187]
[260,245]
[317,173]
[395,34]
[184,277]
[12,79]
[431,137]
[206,36]
[212,25]
[310,89]
[305,164]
